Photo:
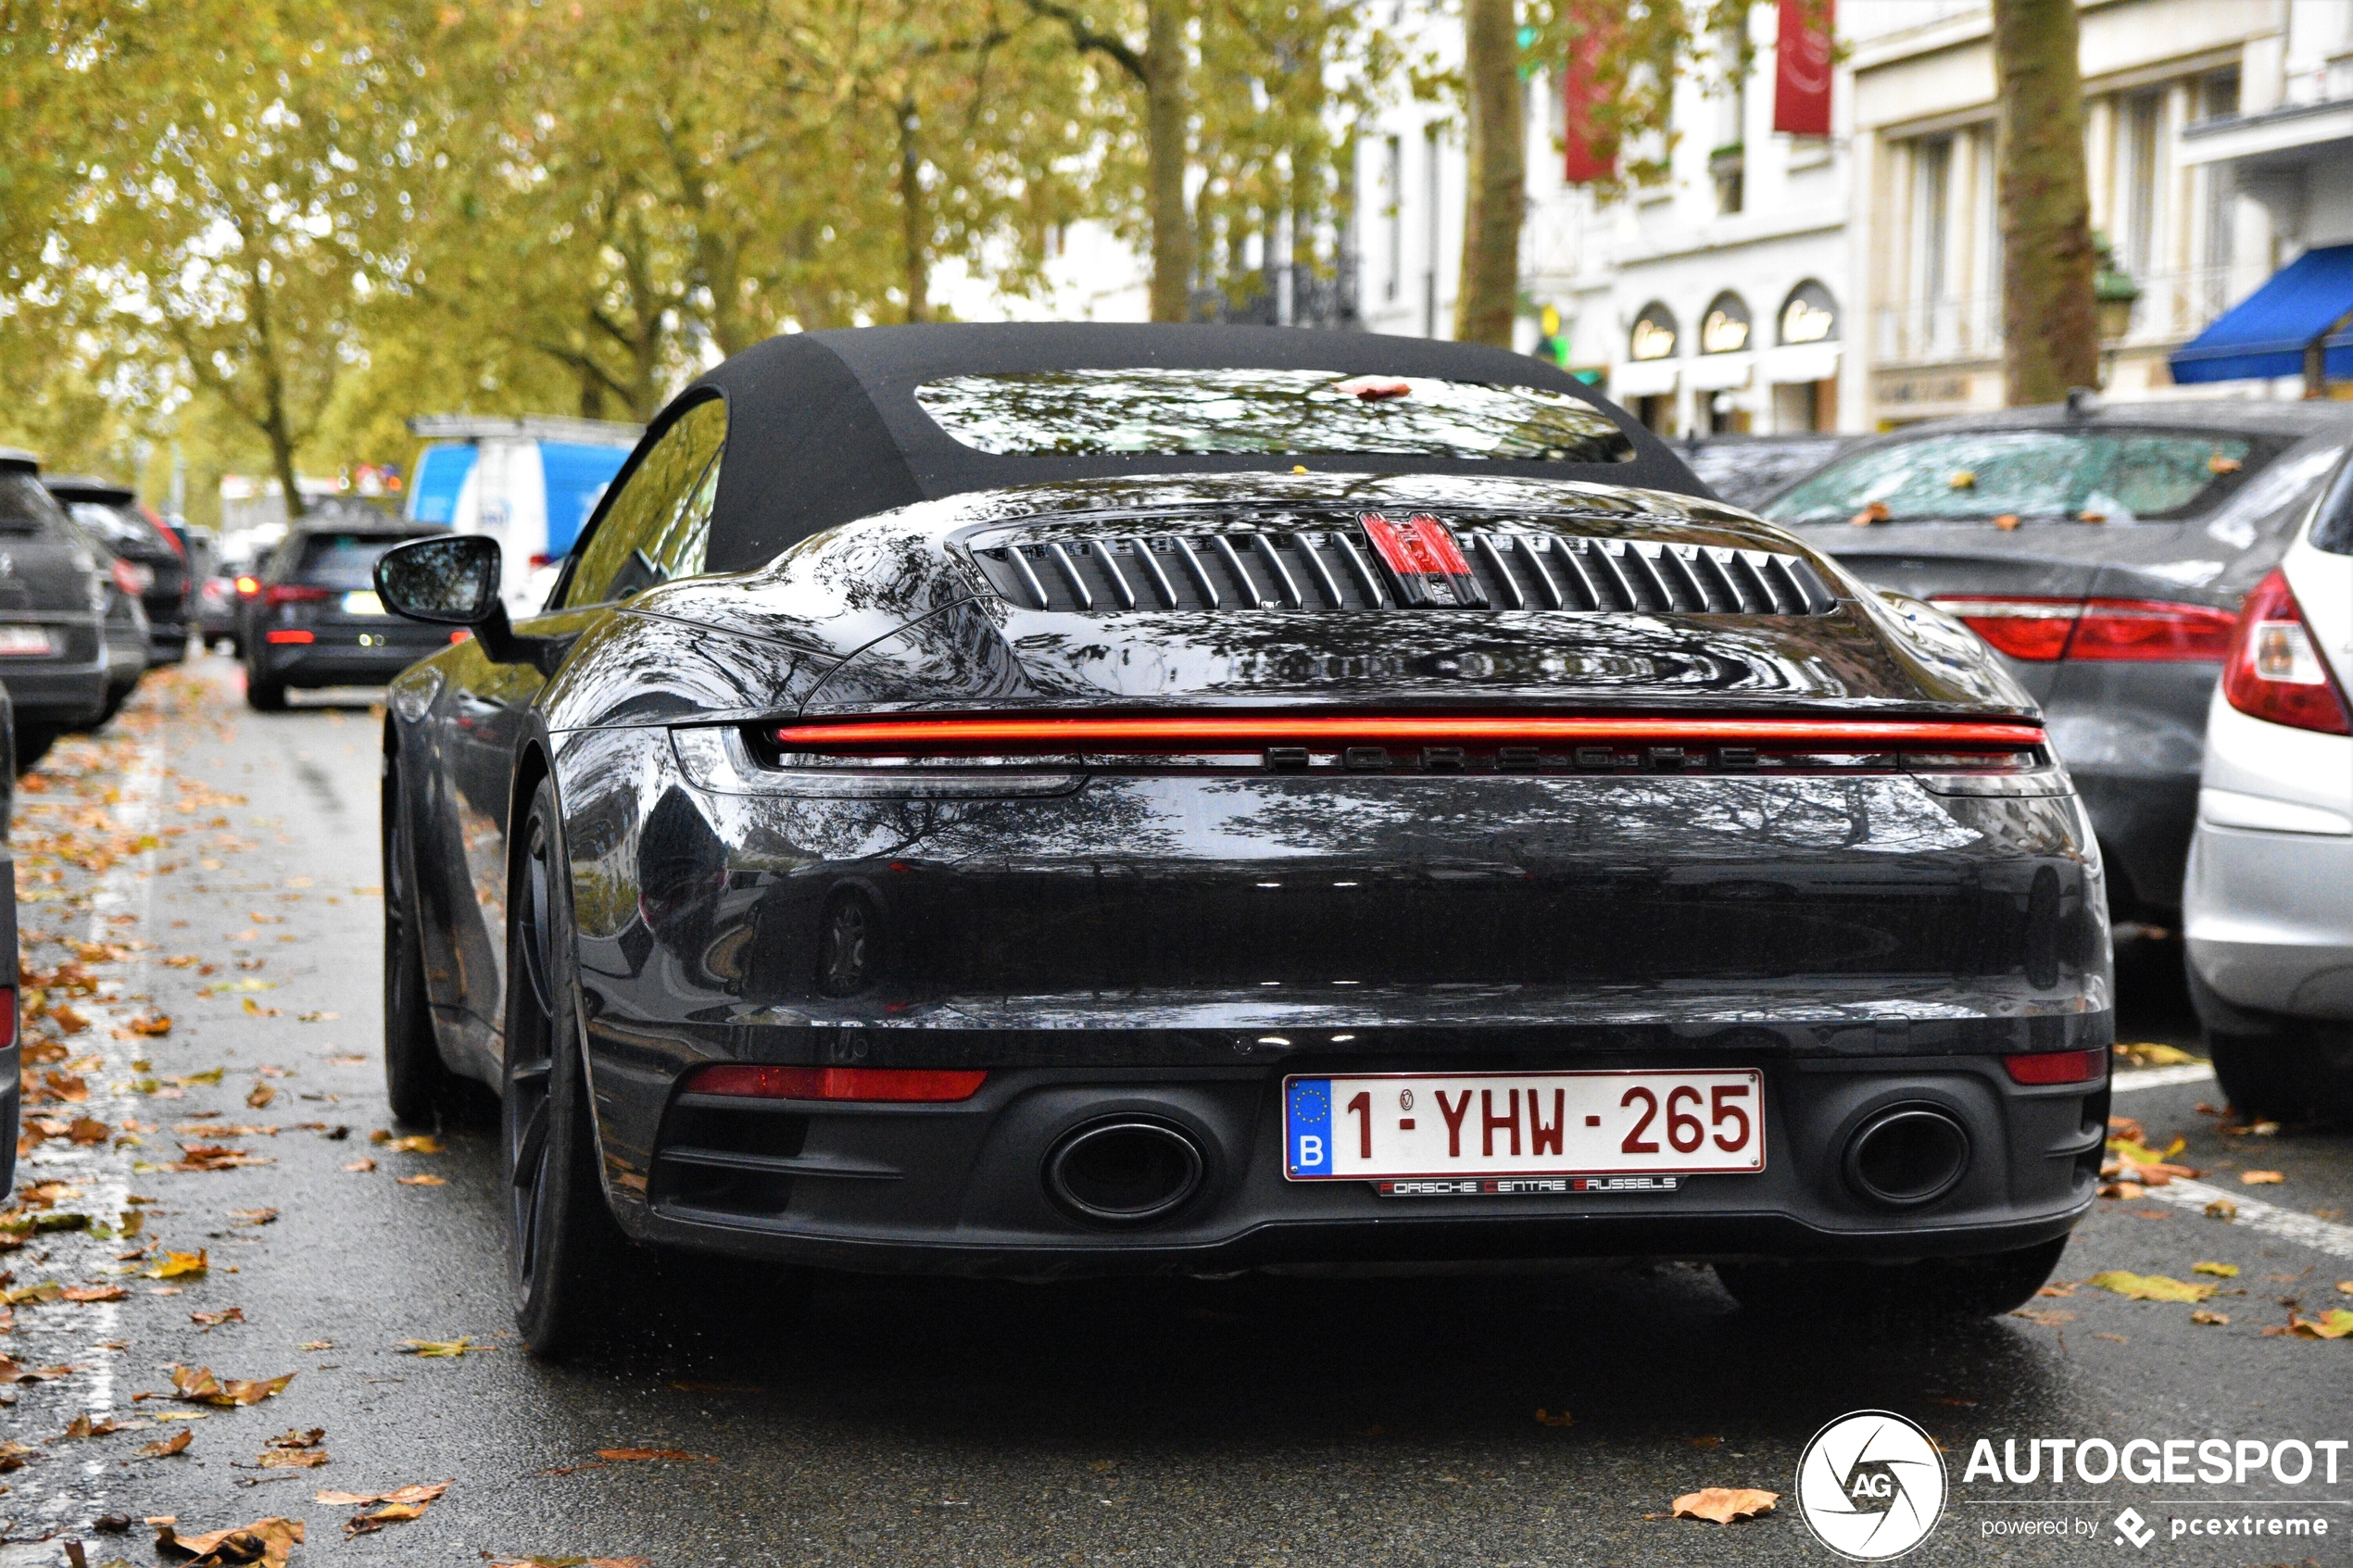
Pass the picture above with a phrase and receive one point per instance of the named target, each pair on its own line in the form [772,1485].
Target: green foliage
[270,233]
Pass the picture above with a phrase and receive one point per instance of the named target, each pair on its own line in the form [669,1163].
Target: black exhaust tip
[1907,1156]
[1124,1173]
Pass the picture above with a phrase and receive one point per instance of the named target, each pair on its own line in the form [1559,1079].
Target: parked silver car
[2269,906]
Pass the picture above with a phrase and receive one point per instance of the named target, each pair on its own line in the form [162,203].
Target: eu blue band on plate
[1308,1127]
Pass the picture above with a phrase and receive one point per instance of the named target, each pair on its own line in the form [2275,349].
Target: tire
[2302,1073]
[1981,1286]
[564,1249]
[263,694]
[416,1081]
[33,742]
[2275,1068]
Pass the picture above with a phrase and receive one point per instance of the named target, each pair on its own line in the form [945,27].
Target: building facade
[1778,282]
[1924,230]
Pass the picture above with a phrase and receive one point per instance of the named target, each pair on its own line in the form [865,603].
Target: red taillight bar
[294,593]
[994,734]
[904,1085]
[2057,1067]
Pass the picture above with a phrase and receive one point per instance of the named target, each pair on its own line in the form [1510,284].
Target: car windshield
[2027,475]
[1307,412]
[342,560]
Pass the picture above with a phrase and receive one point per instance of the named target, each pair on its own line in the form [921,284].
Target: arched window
[1809,315]
[1725,328]
[1653,335]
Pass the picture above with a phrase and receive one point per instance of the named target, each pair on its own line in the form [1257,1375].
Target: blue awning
[2266,334]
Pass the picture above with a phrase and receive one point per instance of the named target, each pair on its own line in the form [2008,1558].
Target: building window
[2138,185]
[1392,198]
[1934,228]
[1728,163]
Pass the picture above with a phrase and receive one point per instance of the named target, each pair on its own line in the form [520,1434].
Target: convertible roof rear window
[1056,413]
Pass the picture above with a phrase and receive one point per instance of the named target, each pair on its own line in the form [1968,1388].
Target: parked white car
[2268,911]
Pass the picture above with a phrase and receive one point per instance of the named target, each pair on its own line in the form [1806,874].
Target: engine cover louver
[1337,568]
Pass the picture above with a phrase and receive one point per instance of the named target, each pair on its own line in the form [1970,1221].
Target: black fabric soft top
[822,428]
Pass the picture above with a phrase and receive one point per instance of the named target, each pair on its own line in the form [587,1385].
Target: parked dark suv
[112,515]
[314,620]
[54,599]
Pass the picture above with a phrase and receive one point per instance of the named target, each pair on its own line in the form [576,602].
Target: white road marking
[2161,1077]
[2256,1215]
[103,1171]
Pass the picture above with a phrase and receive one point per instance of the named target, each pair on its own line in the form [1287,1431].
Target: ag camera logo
[1870,1486]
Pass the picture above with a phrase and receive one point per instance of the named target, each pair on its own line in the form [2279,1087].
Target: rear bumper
[46,693]
[167,643]
[2268,923]
[338,663]
[959,1189]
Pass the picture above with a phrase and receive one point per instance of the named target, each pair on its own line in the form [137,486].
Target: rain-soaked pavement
[219,867]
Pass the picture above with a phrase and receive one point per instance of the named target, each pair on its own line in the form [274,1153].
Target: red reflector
[8,1017]
[835,1083]
[289,593]
[2057,1067]
[918,736]
[294,636]
[1428,567]
[459,635]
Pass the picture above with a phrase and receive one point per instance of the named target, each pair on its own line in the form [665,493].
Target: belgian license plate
[364,602]
[1464,1125]
[25,642]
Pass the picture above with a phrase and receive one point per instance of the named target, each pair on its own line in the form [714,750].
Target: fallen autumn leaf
[1724,1504]
[2151,1288]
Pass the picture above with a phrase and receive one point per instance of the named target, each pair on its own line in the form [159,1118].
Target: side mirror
[451,581]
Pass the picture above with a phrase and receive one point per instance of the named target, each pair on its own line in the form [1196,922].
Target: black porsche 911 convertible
[1055,801]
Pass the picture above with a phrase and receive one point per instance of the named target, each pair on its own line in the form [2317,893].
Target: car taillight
[2275,672]
[2040,631]
[132,578]
[247,587]
[2057,1067]
[994,734]
[898,1084]
[294,594]
[286,634]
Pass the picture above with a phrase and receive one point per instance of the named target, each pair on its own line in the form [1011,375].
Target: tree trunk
[273,424]
[1166,134]
[914,221]
[1488,295]
[2050,326]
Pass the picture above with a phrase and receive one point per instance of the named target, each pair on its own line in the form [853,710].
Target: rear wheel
[2276,1068]
[415,1080]
[33,742]
[2302,1073]
[564,1246]
[1981,1286]
[262,694]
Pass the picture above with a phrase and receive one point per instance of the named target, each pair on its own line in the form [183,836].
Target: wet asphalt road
[1261,1421]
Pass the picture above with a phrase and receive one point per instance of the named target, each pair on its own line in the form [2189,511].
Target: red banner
[1802,68]
[1589,150]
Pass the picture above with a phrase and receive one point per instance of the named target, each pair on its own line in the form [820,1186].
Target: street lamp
[2113,296]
